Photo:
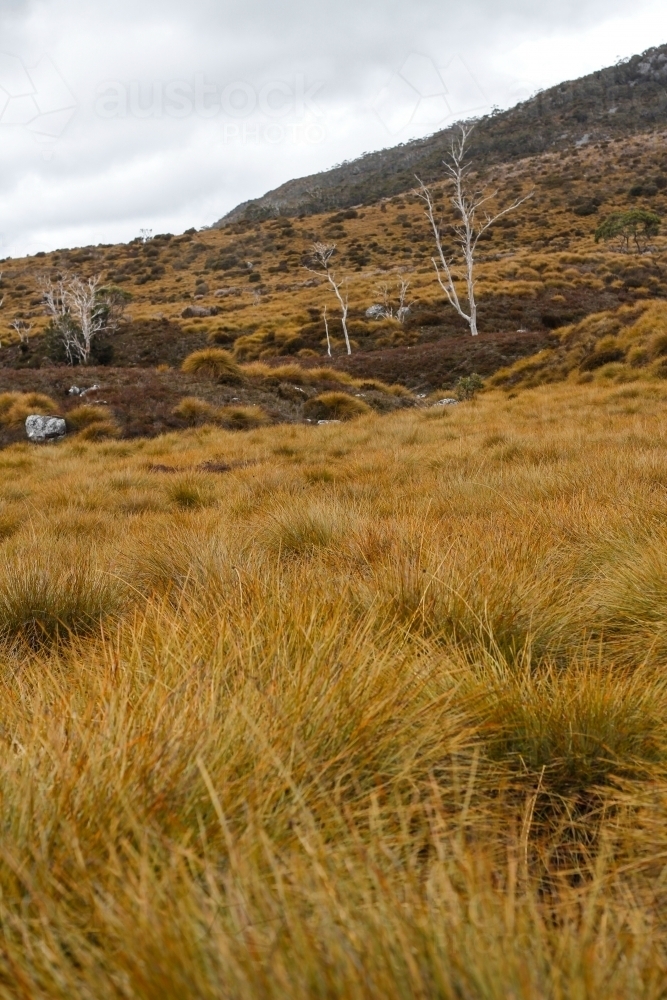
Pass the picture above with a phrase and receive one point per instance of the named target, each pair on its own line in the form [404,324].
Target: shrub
[335,406]
[467,386]
[214,362]
[631,229]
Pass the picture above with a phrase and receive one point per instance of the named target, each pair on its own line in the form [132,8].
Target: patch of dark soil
[143,400]
[142,344]
[436,365]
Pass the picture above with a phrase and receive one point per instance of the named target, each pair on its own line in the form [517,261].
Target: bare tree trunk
[326,328]
[343,305]
[403,309]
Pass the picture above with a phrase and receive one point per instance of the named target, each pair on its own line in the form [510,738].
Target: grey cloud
[371,66]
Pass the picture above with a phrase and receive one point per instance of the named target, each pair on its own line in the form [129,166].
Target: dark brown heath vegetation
[623,346]
[143,402]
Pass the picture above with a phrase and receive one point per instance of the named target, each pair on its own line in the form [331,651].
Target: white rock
[447,402]
[40,428]
[328,421]
[76,391]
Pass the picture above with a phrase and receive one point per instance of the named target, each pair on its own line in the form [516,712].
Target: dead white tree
[321,255]
[80,310]
[22,329]
[474,220]
[402,309]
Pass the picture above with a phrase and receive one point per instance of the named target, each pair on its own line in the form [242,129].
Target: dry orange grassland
[356,711]
[540,268]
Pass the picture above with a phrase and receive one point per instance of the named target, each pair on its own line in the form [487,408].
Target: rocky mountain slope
[613,103]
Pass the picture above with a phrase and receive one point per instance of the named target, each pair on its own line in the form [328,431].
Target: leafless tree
[474,220]
[387,308]
[80,309]
[321,255]
[22,329]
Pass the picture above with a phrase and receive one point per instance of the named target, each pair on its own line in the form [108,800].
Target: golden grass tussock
[297,374]
[196,411]
[214,362]
[373,710]
[241,418]
[610,346]
[335,406]
[87,414]
[16,406]
[92,422]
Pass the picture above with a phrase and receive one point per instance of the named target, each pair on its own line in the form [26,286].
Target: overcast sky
[122,115]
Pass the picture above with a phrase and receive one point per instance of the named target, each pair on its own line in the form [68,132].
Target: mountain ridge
[608,104]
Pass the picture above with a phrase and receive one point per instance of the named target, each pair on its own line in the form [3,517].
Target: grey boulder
[40,428]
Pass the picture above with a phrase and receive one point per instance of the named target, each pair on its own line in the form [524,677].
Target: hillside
[244,287]
[613,103]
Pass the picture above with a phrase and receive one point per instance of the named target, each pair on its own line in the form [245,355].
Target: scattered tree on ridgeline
[468,203]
